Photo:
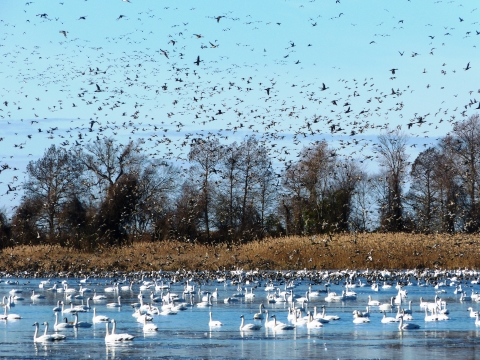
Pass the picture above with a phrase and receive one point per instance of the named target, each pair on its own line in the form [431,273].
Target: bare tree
[5,230]
[157,188]
[227,199]
[53,180]
[253,160]
[115,215]
[423,196]
[25,229]
[292,200]
[205,155]
[449,184]
[108,161]
[391,149]
[467,147]
[361,218]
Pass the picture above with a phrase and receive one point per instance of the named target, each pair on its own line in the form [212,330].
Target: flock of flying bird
[149,74]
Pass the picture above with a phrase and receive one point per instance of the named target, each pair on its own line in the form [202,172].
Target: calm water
[187,334]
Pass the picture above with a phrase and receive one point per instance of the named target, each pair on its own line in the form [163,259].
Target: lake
[188,335]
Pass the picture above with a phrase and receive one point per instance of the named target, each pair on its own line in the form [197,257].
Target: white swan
[328,317]
[304,299]
[144,317]
[249,295]
[43,283]
[83,308]
[333,296]
[362,313]
[70,310]
[98,318]
[428,305]
[407,326]
[148,326]
[477,320]
[319,317]
[313,323]
[36,296]
[386,286]
[313,293]
[388,320]
[360,320]
[296,317]
[259,315]
[268,324]
[8,316]
[61,326]
[432,317]
[113,337]
[281,326]
[409,310]
[214,323]
[117,304]
[465,297]
[98,297]
[81,324]
[84,290]
[58,307]
[46,337]
[473,314]
[111,288]
[386,306]
[205,303]
[372,302]
[248,327]
[68,290]
[127,287]
[215,294]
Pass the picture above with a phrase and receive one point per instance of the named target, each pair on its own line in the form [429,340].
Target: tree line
[108,193]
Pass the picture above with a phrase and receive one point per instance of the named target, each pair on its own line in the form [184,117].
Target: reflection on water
[187,334]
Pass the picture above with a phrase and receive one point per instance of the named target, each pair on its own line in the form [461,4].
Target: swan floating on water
[214,323]
[99,318]
[46,337]
[407,326]
[113,337]
[61,326]
[248,327]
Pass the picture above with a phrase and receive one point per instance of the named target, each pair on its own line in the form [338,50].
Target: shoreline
[373,251]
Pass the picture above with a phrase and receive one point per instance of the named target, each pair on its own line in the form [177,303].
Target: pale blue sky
[291,47]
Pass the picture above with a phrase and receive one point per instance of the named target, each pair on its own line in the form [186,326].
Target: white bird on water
[407,326]
[113,337]
[214,323]
[46,337]
[248,327]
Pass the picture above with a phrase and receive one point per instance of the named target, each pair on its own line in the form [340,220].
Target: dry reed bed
[343,251]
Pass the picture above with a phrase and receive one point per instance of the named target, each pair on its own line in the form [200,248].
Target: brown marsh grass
[340,251]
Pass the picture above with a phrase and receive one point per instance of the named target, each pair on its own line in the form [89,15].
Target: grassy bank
[352,251]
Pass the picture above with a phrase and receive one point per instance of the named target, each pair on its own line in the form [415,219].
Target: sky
[285,71]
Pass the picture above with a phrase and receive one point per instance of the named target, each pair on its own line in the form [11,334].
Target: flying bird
[163,52]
